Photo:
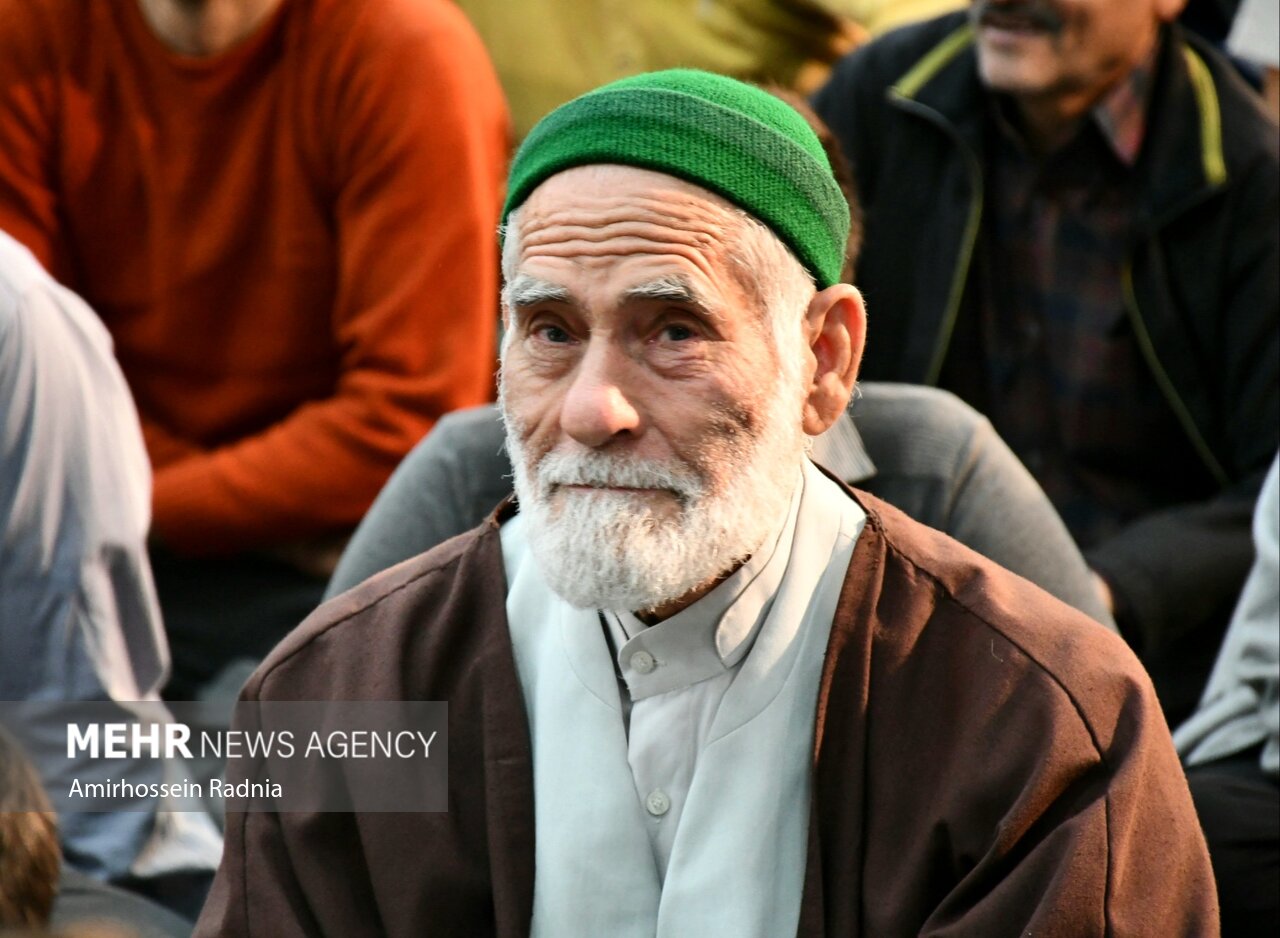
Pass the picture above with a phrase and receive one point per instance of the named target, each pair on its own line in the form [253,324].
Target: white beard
[613,550]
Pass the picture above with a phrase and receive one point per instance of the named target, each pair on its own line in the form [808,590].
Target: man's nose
[597,406]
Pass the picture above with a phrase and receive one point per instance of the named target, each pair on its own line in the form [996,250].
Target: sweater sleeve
[999,510]
[419,130]
[28,93]
[445,486]
[29,202]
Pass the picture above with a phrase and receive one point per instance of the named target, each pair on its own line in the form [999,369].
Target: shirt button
[657,803]
[643,662]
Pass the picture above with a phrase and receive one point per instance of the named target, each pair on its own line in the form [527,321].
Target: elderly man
[1071,214]
[283,213]
[695,685]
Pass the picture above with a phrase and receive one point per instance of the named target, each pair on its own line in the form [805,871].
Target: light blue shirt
[733,860]
[78,612]
[675,675]
[1241,703]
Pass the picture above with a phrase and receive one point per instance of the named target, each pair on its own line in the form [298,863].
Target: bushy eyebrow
[524,290]
[670,289]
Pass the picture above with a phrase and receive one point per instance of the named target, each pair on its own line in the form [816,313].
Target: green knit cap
[734,139]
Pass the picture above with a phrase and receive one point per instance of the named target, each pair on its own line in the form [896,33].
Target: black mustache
[1038,13]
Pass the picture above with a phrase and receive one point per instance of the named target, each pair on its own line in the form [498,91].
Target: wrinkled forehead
[600,215]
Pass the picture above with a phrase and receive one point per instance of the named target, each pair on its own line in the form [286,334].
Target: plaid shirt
[1050,356]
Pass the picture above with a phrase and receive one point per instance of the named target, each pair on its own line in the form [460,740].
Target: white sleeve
[1255,33]
[79,619]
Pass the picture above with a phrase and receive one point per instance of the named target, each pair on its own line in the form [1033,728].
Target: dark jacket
[988,761]
[1202,282]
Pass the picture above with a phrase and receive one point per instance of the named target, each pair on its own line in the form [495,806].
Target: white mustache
[600,469]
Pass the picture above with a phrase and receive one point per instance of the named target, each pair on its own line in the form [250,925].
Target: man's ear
[836,327]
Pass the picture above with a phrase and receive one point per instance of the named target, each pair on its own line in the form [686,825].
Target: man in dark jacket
[696,686]
[1071,217]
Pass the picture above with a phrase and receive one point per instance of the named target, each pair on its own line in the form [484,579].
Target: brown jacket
[988,762]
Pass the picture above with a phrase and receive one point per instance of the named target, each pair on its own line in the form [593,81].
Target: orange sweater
[292,242]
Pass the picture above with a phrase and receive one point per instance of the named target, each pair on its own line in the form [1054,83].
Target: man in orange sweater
[283,210]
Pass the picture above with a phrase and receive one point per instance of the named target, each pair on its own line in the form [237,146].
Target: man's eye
[554,334]
[675,332]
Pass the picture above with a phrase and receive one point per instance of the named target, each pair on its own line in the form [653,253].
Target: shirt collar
[715,633]
[1121,114]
